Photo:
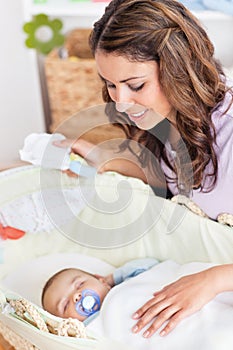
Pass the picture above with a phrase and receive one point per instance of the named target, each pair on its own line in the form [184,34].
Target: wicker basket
[14,341]
[73,84]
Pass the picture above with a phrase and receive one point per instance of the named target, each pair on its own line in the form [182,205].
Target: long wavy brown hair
[192,79]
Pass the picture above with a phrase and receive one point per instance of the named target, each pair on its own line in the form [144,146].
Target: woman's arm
[125,167]
[182,298]
[110,159]
[105,159]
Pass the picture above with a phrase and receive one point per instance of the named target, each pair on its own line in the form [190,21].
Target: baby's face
[66,290]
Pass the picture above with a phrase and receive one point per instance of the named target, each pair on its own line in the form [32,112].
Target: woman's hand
[87,150]
[105,157]
[175,302]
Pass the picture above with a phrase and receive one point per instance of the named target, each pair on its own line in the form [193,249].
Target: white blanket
[209,329]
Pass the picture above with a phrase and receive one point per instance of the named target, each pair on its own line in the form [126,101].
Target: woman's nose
[123,99]
[123,106]
[76,297]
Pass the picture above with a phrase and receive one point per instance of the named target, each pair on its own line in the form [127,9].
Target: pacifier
[88,304]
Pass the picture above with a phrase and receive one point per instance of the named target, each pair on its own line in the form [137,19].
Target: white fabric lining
[29,278]
[29,213]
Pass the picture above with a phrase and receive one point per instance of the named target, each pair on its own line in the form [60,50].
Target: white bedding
[208,329]
[29,278]
[193,239]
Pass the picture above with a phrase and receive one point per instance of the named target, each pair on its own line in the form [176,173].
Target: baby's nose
[77,297]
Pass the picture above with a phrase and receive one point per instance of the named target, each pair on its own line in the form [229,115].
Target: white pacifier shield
[88,302]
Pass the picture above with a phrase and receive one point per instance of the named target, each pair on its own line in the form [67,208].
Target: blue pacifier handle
[81,169]
[88,304]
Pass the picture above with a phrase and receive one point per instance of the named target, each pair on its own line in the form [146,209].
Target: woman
[166,90]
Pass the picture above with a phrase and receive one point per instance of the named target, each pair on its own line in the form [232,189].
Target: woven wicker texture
[72,85]
[76,43]
[15,340]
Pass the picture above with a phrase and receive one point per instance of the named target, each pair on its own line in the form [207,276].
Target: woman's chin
[150,120]
[145,125]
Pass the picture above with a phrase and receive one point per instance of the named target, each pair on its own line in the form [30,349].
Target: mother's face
[135,88]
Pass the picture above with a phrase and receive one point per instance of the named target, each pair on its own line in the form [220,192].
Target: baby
[78,294]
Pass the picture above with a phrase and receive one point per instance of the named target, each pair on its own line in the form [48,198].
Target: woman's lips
[137,116]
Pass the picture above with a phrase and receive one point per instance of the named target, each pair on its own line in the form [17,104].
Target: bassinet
[191,238]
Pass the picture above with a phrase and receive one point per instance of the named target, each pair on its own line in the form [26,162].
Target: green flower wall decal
[43,33]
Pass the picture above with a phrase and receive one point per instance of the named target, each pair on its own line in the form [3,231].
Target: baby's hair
[49,282]
[53,277]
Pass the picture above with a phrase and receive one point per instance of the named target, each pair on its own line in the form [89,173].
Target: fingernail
[56,143]
[146,334]
[135,315]
[135,329]
[162,333]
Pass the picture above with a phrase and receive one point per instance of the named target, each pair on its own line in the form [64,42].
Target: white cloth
[208,329]
[39,150]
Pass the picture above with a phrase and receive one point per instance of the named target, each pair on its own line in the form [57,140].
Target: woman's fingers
[63,143]
[171,315]
[162,310]
[69,173]
[175,302]
[80,146]
[172,323]
[142,310]
[161,313]
[85,149]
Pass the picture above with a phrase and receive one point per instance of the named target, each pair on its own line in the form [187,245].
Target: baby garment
[130,269]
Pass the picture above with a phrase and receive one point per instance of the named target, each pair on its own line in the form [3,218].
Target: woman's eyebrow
[122,81]
[132,78]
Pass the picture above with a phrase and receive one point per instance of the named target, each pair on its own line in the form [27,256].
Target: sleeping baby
[75,293]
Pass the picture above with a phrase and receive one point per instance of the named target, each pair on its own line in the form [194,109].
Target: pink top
[220,199]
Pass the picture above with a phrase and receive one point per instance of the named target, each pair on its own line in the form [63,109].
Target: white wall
[20,102]
[219,27]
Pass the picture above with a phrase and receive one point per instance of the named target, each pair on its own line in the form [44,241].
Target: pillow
[29,278]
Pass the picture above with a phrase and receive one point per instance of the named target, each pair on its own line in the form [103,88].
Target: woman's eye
[131,87]
[110,86]
[136,88]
